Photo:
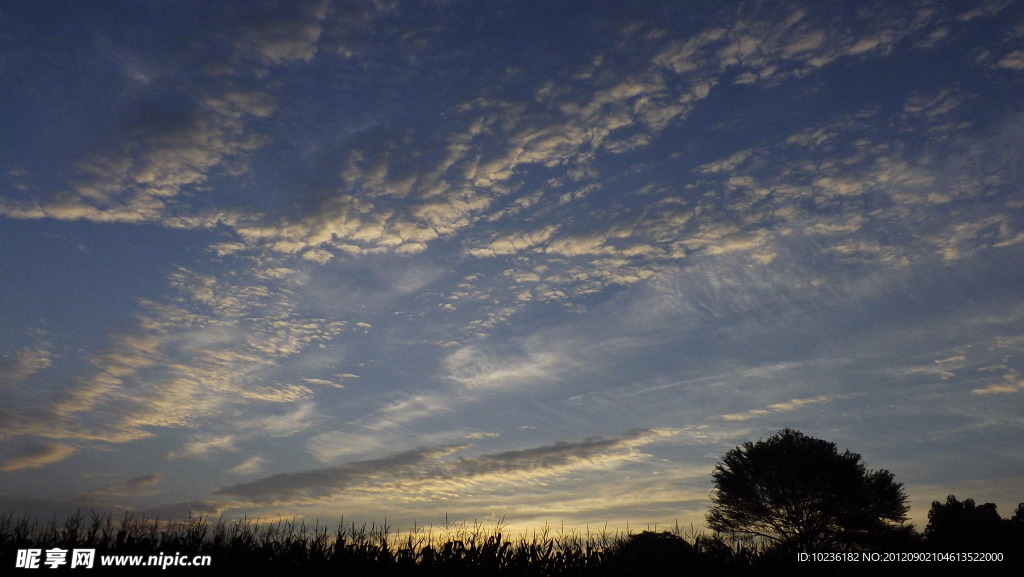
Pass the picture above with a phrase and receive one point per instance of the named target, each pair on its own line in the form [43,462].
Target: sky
[545,262]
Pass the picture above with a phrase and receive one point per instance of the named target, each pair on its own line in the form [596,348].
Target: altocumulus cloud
[599,220]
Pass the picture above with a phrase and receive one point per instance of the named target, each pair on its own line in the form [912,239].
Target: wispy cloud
[431,471]
[18,366]
[321,483]
[301,418]
[476,369]
[36,455]
[283,38]
[785,406]
[250,466]
[206,447]
[1010,386]
[134,487]
[213,345]
[171,154]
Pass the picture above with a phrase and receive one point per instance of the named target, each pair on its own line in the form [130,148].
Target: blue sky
[539,261]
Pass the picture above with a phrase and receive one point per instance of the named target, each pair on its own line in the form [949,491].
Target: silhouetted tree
[1018,517]
[965,526]
[797,491]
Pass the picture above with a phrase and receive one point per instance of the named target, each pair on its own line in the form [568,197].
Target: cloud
[298,419]
[1014,60]
[387,427]
[176,125]
[431,471]
[410,408]
[1000,388]
[327,382]
[318,256]
[36,455]
[546,459]
[250,466]
[18,366]
[184,510]
[789,405]
[777,196]
[320,483]
[481,435]
[492,144]
[134,487]
[334,445]
[475,369]
[515,242]
[206,448]
[283,36]
[214,345]
[172,152]
[226,248]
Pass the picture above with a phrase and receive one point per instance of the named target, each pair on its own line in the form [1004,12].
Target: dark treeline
[251,548]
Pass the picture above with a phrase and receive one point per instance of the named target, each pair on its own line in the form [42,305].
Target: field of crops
[255,548]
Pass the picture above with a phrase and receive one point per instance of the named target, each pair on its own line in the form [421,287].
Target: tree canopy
[966,526]
[799,491]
